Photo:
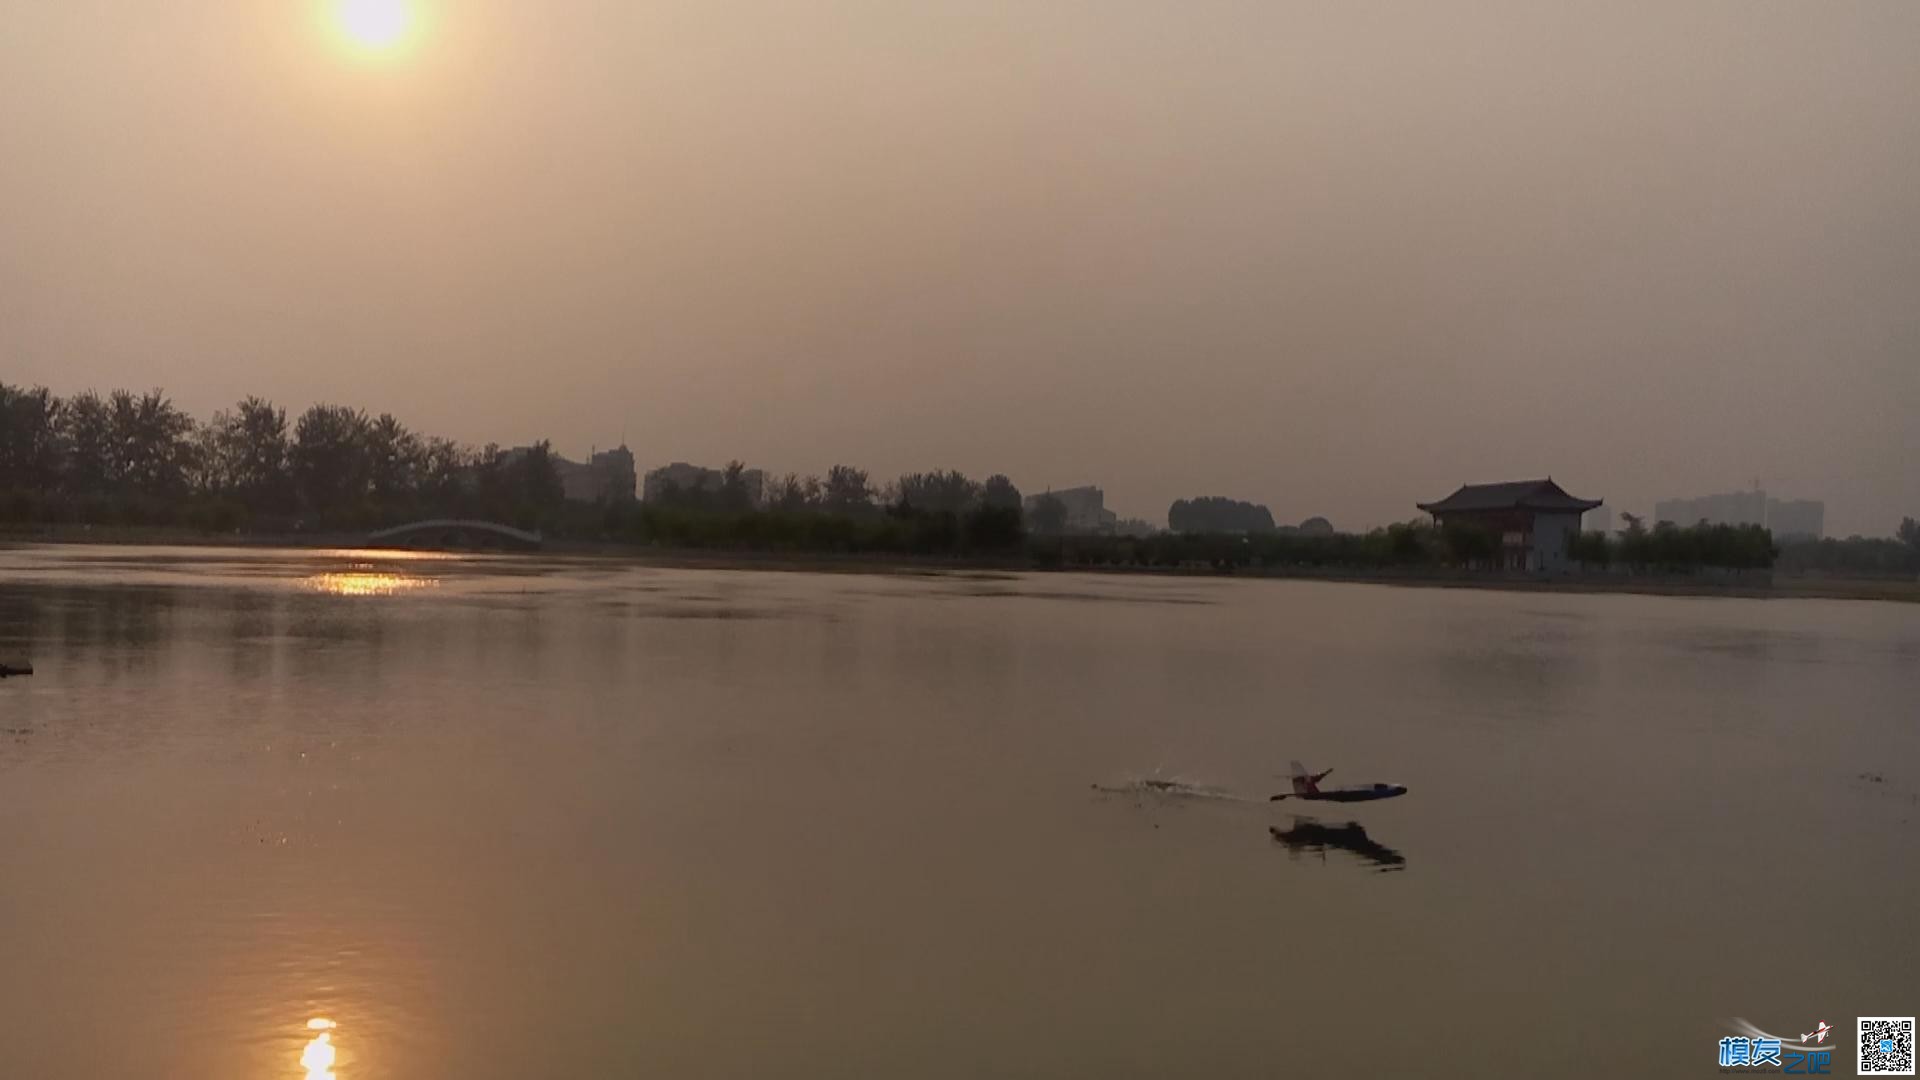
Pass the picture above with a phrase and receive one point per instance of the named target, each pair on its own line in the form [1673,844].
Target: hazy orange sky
[1332,257]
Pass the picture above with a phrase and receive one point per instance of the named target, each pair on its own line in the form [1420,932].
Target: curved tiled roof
[1513,495]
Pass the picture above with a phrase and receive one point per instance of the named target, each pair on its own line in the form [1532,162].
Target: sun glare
[375,24]
[366,581]
[319,1055]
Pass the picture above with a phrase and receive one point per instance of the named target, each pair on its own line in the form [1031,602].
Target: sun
[374,24]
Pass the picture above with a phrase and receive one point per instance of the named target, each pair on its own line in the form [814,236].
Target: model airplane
[1307,786]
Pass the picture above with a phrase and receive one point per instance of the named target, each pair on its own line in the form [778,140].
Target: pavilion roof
[1511,495]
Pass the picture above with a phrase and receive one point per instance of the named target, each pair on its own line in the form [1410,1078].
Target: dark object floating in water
[1310,835]
[15,667]
[1307,786]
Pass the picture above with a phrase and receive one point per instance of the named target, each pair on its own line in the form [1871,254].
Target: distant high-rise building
[1086,508]
[681,476]
[614,477]
[1733,508]
[1797,519]
[1786,518]
[607,476]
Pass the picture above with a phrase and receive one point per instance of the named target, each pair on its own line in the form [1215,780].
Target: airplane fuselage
[1366,793]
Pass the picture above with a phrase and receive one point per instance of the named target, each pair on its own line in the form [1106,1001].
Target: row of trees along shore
[1415,545]
[925,513]
[132,459]
[127,459]
[137,460]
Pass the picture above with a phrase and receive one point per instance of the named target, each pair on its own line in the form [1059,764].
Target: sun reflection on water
[318,1057]
[390,554]
[367,581]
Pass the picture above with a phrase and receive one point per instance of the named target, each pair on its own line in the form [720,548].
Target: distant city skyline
[1327,258]
[594,472]
[1785,518]
[1603,518]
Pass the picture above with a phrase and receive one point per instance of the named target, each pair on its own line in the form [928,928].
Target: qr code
[1886,1046]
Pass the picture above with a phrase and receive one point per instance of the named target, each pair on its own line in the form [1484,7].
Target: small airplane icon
[1818,1034]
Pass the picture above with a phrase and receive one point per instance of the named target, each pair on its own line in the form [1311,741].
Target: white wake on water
[1169,788]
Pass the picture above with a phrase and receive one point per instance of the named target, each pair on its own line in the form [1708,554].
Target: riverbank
[1773,587]
[1751,586]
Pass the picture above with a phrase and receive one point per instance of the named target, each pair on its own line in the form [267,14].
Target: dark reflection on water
[496,816]
[1308,835]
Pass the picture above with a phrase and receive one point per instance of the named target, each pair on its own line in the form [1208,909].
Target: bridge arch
[455,533]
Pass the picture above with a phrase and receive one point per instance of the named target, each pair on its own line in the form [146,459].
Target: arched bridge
[455,533]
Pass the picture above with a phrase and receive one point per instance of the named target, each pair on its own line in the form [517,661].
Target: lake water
[540,817]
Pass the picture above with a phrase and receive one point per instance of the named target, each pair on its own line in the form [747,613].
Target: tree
[1909,533]
[667,492]
[539,480]
[86,430]
[253,444]
[1591,548]
[735,494]
[444,469]
[1212,513]
[29,438]
[940,492]
[991,528]
[1407,542]
[1047,516]
[999,493]
[1854,555]
[212,472]
[847,491]
[1467,543]
[791,493]
[150,446]
[393,462]
[490,480]
[242,453]
[330,460]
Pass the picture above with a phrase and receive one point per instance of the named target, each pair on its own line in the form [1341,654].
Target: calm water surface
[514,817]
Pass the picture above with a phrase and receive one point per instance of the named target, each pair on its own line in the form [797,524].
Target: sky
[1335,258]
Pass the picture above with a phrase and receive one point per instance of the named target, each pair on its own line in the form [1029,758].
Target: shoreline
[1770,587]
